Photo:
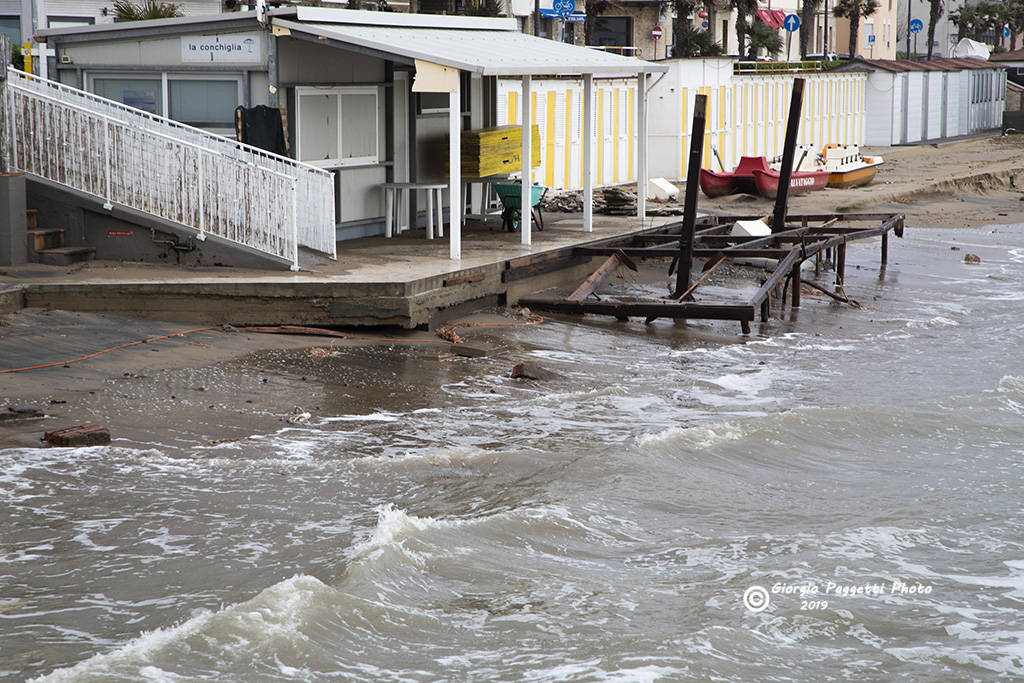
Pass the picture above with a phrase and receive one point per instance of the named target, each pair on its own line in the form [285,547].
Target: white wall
[747,114]
[913,106]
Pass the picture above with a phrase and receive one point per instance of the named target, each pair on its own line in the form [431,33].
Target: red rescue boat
[741,180]
[800,182]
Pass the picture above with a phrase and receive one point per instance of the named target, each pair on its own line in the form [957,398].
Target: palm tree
[854,10]
[1015,17]
[935,11]
[682,28]
[808,10]
[763,37]
[744,9]
[126,10]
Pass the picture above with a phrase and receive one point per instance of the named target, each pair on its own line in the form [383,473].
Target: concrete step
[65,256]
[46,239]
[32,218]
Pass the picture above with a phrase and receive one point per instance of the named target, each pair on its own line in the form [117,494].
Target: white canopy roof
[491,47]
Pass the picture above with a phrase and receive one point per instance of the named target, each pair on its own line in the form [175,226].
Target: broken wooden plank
[588,286]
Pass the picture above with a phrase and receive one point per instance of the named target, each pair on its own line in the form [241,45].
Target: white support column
[455,172]
[641,143]
[476,120]
[588,152]
[524,211]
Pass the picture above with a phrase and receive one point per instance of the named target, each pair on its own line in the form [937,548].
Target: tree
[126,10]
[595,8]
[744,10]
[1015,18]
[682,26]
[696,43]
[854,10]
[763,37]
[935,11]
[808,10]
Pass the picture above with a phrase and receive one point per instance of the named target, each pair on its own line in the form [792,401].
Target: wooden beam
[685,256]
[588,286]
[660,309]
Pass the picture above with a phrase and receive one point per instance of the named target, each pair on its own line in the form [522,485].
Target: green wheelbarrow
[511,196]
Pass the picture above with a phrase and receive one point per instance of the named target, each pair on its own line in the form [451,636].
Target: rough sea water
[837,496]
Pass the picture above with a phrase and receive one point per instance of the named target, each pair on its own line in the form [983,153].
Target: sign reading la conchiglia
[235,48]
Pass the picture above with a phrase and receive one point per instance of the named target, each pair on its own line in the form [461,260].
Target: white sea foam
[393,527]
[1010,383]
[277,612]
[369,417]
[701,436]
[937,322]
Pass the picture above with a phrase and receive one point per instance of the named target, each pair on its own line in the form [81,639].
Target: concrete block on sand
[661,189]
[79,435]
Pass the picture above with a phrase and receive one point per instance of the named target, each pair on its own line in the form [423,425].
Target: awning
[780,17]
[768,17]
[494,51]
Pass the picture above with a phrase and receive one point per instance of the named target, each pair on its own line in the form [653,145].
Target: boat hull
[741,180]
[799,183]
[854,178]
[717,184]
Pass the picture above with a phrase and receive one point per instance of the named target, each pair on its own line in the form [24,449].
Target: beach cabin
[378,103]
[915,101]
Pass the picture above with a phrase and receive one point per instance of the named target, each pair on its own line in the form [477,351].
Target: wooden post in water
[685,258]
[788,152]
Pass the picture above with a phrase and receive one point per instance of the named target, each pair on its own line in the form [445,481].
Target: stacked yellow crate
[496,151]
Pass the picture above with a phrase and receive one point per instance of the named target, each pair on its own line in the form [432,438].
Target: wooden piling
[788,152]
[794,280]
[685,259]
[841,264]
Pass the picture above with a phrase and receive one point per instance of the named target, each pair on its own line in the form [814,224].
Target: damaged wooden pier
[822,237]
[791,241]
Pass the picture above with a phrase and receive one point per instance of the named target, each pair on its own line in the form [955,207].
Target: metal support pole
[295,224]
[525,209]
[885,248]
[788,152]
[5,60]
[454,173]
[641,169]
[272,99]
[588,152]
[685,258]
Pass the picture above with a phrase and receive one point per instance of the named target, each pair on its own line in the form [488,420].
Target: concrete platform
[406,280]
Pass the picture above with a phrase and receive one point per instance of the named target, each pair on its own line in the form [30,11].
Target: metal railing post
[109,205]
[201,197]
[295,224]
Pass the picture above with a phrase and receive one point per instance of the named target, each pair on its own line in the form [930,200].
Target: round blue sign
[1006,32]
[564,8]
[791,22]
[916,25]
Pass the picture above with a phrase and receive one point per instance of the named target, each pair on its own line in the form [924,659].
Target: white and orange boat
[846,166]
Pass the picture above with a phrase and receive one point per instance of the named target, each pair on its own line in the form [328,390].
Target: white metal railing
[186,175]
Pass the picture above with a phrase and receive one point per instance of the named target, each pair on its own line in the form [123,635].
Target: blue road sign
[1006,32]
[916,25]
[564,7]
[704,25]
[791,22]
[871,37]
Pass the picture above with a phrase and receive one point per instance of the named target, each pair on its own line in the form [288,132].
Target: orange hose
[112,348]
[446,333]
